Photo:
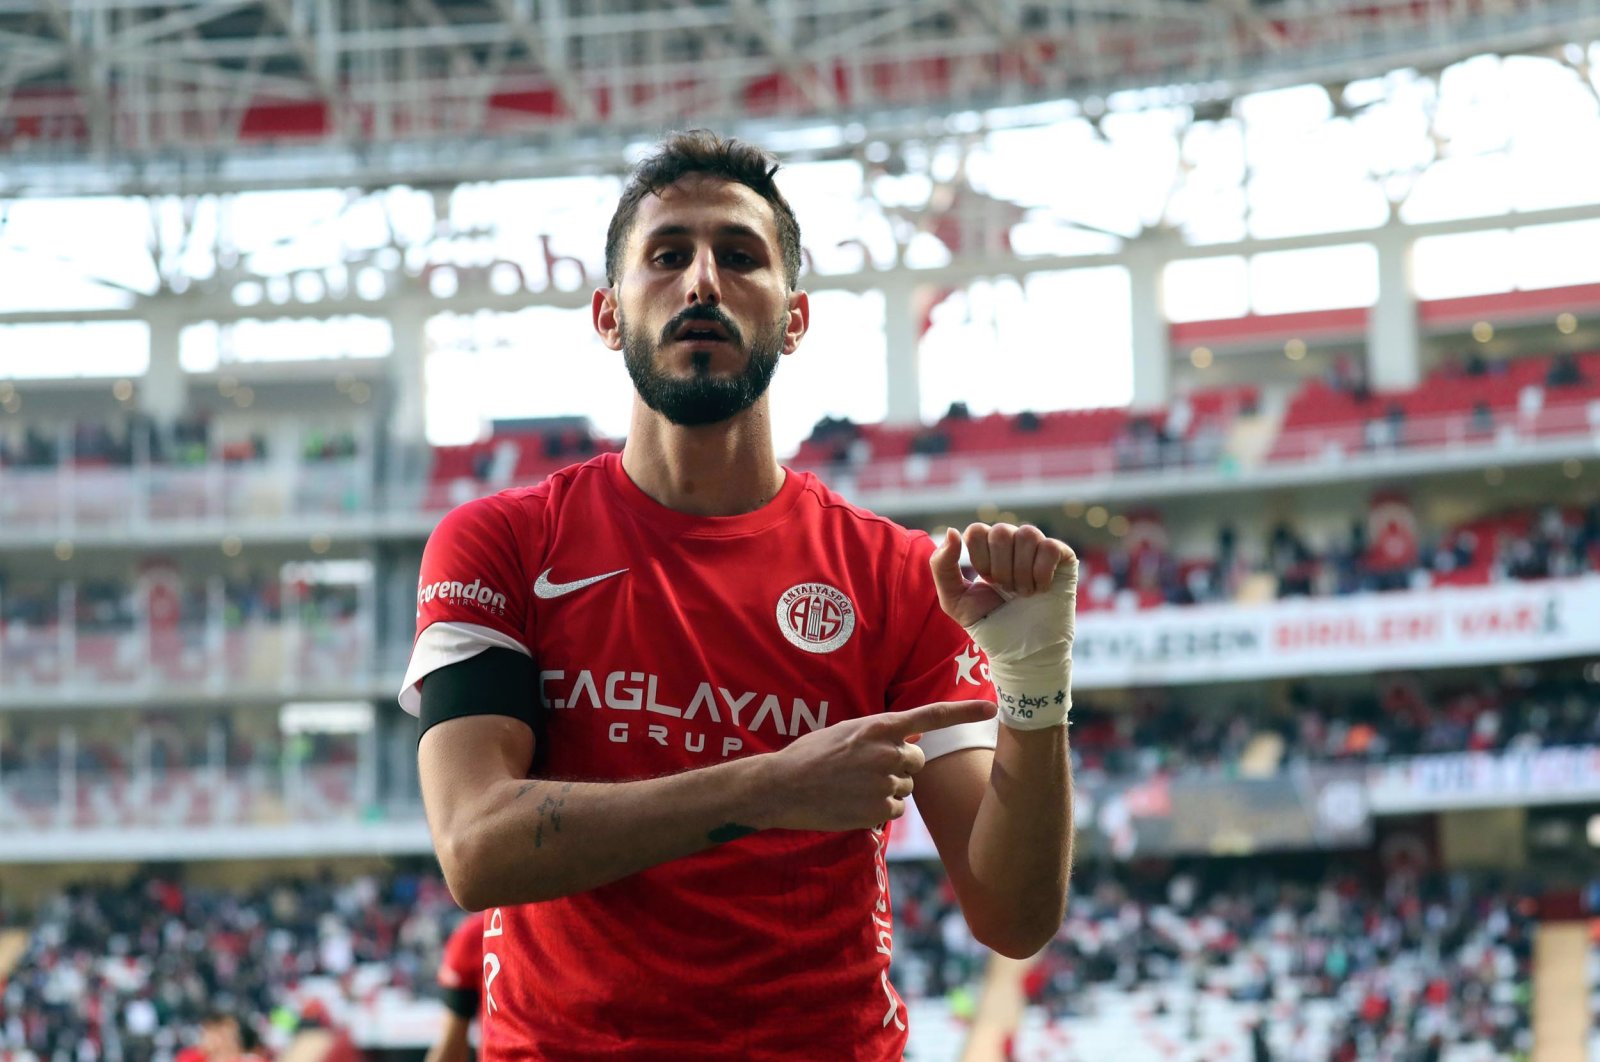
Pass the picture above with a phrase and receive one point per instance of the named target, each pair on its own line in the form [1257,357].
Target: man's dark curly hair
[700,151]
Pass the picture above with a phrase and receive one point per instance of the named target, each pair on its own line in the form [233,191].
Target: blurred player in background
[222,1039]
[670,698]
[461,977]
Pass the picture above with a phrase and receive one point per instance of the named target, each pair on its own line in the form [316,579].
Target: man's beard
[702,398]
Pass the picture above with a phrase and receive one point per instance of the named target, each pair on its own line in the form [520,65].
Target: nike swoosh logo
[547,590]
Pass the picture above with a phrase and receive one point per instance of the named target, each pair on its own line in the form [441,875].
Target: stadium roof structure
[166,96]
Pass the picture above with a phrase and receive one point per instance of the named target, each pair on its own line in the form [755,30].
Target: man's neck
[718,470]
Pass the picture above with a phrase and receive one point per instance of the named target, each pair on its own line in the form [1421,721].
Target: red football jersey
[462,963]
[665,642]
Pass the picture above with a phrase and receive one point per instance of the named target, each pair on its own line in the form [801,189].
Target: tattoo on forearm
[729,831]
[549,809]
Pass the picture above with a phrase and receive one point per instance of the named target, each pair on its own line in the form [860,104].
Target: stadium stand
[179,630]
[199,769]
[1331,967]
[130,625]
[232,769]
[198,475]
[1477,400]
[1343,970]
[999,448]
[1293,843]
[133,968]
[460,473]
[1163,729]
[1516,544]
[1398,966]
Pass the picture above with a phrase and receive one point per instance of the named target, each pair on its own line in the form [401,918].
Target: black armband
[496,681]
[462,1002]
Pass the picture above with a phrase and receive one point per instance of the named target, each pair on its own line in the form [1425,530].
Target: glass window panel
[839,370]
[1473,263]
[1206,289]
[65,349]
[1320,278]
[1553,256]
[1061,341]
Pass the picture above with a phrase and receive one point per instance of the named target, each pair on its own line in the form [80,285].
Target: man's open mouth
[700,332]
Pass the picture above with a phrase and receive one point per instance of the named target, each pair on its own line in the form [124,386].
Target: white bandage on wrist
[1028,641]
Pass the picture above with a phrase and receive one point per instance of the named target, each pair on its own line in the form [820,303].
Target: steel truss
[136,96]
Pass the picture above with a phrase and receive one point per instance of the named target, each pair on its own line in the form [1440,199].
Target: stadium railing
[1346,440]
[54,499]
[53,660]
[414,486]
[43,799]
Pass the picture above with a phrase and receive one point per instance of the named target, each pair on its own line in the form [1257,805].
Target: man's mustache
[702,312]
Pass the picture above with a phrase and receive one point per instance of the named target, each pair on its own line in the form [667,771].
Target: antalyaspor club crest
[816,617]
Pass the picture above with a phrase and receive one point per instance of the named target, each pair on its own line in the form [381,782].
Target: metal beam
[89,71]
[173,24]
[314,46]
[818,93]
[419,74]
[550,54]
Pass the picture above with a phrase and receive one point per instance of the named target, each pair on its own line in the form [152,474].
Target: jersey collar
[658,515]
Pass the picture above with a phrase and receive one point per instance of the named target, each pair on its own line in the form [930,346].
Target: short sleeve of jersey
[472,594]
[462,964]
[939,662]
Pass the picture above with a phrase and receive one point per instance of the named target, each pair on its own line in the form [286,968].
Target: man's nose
[705,284]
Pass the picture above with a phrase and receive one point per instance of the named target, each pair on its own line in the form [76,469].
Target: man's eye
[738,258]
[668,258]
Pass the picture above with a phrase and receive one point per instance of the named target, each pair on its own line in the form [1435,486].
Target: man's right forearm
[531,840]
[504,838]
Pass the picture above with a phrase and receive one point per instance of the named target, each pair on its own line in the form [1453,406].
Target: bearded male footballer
[673,699]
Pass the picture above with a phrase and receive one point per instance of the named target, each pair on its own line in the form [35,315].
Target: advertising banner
[1456,781]
[1294,810]
[1504,623]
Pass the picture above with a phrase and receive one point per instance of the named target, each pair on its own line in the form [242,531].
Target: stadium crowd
[1409,967]
[186,442]
[1160,732]
[165,742]
[1402,970]
[182,631]
[129,972]
[1495,711]
[1513,546]
[1174,438]
[112,603]
[1139,570]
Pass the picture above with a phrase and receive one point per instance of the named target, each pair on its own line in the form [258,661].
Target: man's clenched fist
[1021,612]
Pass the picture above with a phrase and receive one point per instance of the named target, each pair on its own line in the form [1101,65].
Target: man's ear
[799,321]
[607,317]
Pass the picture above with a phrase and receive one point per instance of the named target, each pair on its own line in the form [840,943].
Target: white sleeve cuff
[980,735]
[442,644]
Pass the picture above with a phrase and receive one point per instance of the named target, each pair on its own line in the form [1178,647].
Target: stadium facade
[208,553]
